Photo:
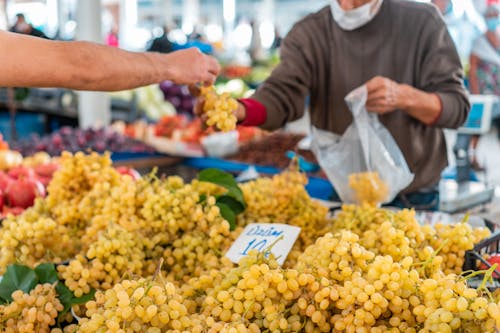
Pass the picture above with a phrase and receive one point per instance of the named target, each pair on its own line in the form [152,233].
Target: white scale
[462,193]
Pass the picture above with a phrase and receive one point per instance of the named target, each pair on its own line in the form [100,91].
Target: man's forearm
[421,105]
[34,62]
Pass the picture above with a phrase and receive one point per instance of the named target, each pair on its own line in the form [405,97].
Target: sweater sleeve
[284,93]
[440,72]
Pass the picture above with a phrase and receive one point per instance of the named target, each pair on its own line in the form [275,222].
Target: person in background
[34,62]
[277,39]
[485,69]
[464,24]
[161,44]
[23,27]
[402,51]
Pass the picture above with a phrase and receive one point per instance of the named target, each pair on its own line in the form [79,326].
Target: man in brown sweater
[400,49]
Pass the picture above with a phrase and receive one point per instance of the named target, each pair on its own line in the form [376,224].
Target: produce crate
[475,257]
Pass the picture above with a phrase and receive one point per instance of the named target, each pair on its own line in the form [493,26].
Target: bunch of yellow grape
[33,312]
[219,109]
[368,188]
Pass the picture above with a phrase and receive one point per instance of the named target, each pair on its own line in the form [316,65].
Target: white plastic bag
[366,146]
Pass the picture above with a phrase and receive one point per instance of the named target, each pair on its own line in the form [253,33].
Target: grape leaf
[223,179]
[46,273]
[236,206]
[17,277]
[228,214]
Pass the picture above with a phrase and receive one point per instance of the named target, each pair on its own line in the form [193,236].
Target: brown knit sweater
[407,42]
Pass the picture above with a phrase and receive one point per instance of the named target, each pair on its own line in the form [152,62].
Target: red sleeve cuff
[434,122]
[256,113]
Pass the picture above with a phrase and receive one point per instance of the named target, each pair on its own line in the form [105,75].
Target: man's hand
[384,95]
[190,65]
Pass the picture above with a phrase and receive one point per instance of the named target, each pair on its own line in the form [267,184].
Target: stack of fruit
[153,250]
[23,180]
[76,139]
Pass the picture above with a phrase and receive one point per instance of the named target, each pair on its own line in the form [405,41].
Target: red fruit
[493,259]
[22,193]
[21,172]
[12,210]
[1,200]
[46,170]
[5,181]
[129,171]
[44,180]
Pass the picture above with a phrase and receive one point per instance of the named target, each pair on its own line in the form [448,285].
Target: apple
[5,180]
[21,172]
[22,192]
[46,170]
[129,171]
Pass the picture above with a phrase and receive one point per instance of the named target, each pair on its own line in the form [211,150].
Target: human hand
[190,66]
[384,95]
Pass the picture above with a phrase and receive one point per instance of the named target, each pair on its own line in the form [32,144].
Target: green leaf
[17,277]
[65,296]
[203,197]
[218,177]
[68,299]
[46,273]
[225,180]
[236,206]
[85,298]
[228,214]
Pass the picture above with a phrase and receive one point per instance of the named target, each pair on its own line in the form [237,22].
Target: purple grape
[176,102]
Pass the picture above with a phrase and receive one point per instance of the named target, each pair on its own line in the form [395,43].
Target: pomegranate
[5,181]
[21,172]
[46,170]
[129,171]
[22,192]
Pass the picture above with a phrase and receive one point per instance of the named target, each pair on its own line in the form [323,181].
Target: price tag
[261,236]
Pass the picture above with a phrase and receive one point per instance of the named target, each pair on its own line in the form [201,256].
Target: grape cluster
[142,305]
[33,312]
[219,109]
[32,238]
[368,188]
[115,253]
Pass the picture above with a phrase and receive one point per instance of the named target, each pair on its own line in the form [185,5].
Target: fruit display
[192,131]
[179,96]
[152,250]
[76,139]
[149,99]
[22,182]
[219,109]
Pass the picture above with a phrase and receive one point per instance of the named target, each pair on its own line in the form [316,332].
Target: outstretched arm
[33,62]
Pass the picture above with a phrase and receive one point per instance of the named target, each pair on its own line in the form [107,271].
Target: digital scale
[462,192]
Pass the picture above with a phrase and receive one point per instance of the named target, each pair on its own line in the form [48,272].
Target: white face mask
[357,17]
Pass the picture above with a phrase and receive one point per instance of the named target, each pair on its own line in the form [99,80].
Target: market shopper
[34,62]
[23,27]
[404,54]
[484,69]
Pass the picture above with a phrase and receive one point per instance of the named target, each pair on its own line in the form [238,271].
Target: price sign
[262,236]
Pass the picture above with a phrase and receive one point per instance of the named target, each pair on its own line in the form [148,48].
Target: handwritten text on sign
[262,236]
